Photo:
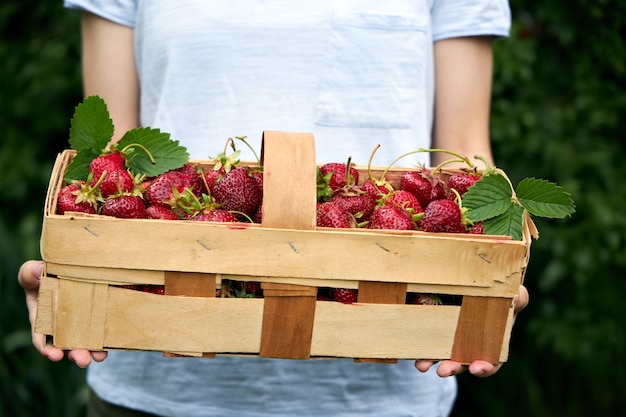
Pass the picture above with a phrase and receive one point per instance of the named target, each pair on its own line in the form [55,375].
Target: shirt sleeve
[457,18]
[122,12]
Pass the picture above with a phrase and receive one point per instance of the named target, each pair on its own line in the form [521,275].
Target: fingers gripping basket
[88,258]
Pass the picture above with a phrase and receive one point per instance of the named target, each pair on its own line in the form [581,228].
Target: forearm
[463,77]
[109,70]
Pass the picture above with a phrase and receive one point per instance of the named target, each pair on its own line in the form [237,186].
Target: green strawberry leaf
[508,223]
[91,130]
[152,152]
[544,199]
[78,169]
[489,197]
[91,127]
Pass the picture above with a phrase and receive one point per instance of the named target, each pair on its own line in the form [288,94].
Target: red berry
[406,201]
[160,213]
[442,216]
[238,191]
[345,295]
[108,162]
[461,181]
[332,215]
[214,215]
[391,217]
[422,186]
[118,181]
[125,207]
[78,197]
[159,191]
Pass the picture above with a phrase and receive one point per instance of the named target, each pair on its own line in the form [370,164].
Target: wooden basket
[88,257]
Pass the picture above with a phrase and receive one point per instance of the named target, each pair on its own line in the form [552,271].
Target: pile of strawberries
[420,200]
[230,192]
[187,193]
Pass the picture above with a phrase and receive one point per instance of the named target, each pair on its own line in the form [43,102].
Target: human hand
[478,368]
[28,277]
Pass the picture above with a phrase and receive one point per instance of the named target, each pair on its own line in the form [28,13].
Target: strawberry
[211,178]
[77,196]
[337,178]
[345,295]
[117,181]
[461,181]
[214,215]
[329,214]
[390,216]
[159,191]
[160,213]
[405,200]
[195,175]
[238,191]
[107,162]
[442,216]
[258,215]
[477,229]
[423,186]
[375,189]
[125,207]
[358,203]
[334,175]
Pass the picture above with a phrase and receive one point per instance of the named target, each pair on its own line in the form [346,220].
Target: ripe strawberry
[211,178]
[195,175]
[159,192]
[390,216]
[108,162]
[461,181]
[338,178]
[442,216]
[258,215]
[125,207]
[77,196]
[329,214]
[376,190]
[238,191]
[345,295]
[332,176]
[214,215]
[423,186]
[160,213]
[358,203]
[405,200]
[118,181]
[477,229]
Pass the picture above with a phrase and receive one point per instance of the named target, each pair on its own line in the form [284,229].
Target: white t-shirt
[355,73]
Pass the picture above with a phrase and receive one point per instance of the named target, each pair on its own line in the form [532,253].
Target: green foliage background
[559,98]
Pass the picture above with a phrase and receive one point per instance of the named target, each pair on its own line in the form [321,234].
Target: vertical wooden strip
[375,292]
[289,180]
[288,315]
[480,329]
[81,315]
[47,305]
[382,292]
[189,284]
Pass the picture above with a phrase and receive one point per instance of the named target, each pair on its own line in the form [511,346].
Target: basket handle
[289,180]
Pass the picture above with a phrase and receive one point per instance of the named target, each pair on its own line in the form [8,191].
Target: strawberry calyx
[224,161]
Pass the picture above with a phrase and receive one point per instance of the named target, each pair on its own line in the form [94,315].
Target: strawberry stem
[258,160]
[140,146]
